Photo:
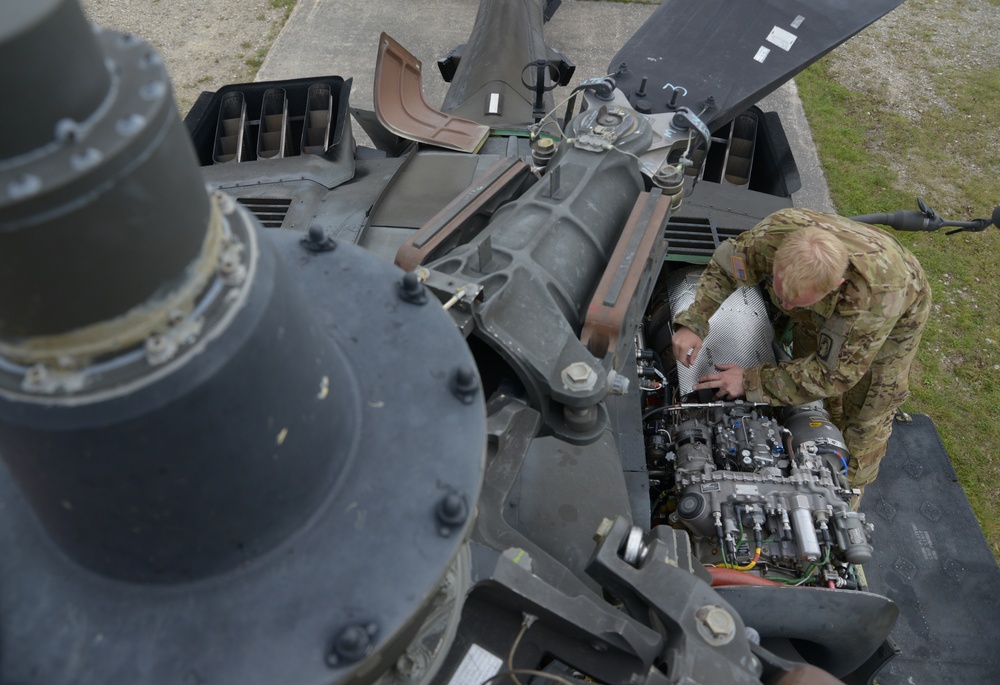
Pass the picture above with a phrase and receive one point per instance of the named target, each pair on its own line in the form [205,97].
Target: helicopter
[277,407]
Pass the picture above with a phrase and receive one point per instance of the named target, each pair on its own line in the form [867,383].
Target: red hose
[729,576]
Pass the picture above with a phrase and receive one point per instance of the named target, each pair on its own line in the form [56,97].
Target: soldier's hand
[728,382]
[686,344]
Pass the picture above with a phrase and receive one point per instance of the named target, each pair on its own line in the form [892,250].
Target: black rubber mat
[932,559]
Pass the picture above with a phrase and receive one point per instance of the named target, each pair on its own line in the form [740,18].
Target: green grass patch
[878,161]
[255,60]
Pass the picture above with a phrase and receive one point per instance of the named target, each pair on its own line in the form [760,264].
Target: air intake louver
[270,211]
[695,236]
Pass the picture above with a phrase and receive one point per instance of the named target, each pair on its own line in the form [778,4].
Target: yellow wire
[753,562]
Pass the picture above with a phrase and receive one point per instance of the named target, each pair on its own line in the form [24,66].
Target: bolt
[37,379]
[231,268]
[24,186]
[542,151]
[580,419]
[545,144]
[159,349]
[130,125]
[353,643]
[642,87]
[669,178]
[579,376]
[603,529]
[452,511]
[411,290]
[81,161]
[718,622]
[127,40]
[464,384]
[317,240]
[150,59]
[68,131]
[154,90]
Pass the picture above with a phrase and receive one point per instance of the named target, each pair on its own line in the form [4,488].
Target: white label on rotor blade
[782,38]
[477,667]
[798,21]
[762,54]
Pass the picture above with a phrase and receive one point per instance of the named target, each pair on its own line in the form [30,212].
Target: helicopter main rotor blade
[732,52]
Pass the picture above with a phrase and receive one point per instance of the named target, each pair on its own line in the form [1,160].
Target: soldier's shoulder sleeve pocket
[831,340]
[731,261]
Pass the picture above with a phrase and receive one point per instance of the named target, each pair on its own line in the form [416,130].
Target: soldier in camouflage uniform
[854,338]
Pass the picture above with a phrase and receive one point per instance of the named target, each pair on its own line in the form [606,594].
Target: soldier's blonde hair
[811,258]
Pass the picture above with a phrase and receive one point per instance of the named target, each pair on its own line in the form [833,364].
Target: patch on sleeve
[831,341]
[739,267]
[730,261]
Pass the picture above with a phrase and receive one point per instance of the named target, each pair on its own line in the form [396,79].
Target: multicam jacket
[869,322]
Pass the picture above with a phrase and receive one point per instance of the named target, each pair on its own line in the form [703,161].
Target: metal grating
[695,237]
[270,211]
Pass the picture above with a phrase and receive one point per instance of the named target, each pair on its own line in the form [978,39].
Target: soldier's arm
[845,349]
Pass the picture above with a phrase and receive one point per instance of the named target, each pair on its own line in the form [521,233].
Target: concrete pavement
[336,37]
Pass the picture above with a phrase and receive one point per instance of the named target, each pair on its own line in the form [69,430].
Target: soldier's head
[808,265]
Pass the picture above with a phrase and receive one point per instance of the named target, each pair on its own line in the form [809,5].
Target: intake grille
[695,237]
[270,211]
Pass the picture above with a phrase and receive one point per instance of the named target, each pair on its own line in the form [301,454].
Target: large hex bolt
[716,625]
[579,377]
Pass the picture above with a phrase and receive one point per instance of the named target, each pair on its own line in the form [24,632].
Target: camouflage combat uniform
[853,348]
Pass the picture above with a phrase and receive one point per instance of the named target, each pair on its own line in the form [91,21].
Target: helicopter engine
[750,484]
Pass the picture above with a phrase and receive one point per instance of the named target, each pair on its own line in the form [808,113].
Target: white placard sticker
[782,38]
[762,54]
[477,667]
[798,21]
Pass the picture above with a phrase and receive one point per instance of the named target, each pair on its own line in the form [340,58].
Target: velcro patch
[831,340]
[739,267]
[825,346]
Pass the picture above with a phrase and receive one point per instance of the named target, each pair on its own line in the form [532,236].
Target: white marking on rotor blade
[782,38]
[798,21]
[762,54]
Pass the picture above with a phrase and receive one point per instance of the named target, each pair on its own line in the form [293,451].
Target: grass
[256,59]
[877,160]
